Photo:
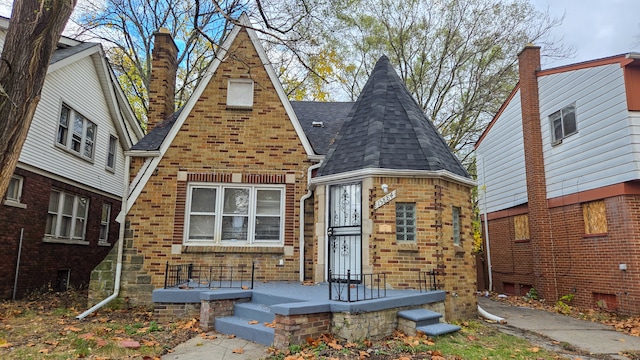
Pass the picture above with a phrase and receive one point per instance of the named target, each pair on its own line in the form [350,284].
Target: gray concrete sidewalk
[221,348]
[596,339]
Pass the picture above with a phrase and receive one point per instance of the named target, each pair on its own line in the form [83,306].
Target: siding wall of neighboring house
[234,147]
[598,163]
[77,86]
[599,154]
[41,262]
[506,168]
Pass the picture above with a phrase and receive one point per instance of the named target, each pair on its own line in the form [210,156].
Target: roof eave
[401,173]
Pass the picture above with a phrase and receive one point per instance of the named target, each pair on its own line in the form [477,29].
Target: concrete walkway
[221,348]
[593,339]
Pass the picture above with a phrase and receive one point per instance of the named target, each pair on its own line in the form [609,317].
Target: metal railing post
[166,274]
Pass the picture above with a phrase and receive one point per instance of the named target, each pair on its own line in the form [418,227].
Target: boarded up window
[521,224]
[595,217]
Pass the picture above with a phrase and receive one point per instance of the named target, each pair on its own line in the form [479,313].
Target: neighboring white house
[559,170]
[67,189]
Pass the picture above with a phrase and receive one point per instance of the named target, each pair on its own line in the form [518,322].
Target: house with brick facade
[57,218]
[304,191]
[559,182]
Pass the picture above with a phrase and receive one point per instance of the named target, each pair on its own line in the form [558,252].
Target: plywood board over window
[521,227]
[595,217]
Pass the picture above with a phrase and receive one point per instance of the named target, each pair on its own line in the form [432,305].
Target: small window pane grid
[67,214]
[595,217]
[234,215]
[563,123]
[406,221]
[104,223]
[111,152]
[14,191]
[456,225]
[81,138]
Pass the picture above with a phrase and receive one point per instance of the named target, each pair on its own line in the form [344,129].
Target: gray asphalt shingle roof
[63,53]
[155,137]
[331,115]
[386,129]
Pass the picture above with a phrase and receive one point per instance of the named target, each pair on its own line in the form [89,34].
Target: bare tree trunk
[33,34]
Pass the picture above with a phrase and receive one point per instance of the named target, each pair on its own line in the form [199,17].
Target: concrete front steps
[426,321]
[243,322]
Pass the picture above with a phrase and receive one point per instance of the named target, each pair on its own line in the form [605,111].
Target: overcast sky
[595,28]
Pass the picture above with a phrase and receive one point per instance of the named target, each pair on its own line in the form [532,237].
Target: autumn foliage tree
[33,34]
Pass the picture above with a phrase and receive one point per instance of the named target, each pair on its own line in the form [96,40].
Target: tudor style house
[58,215]
[241,175]
[559,176]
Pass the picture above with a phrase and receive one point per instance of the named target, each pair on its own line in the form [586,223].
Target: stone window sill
[65,241]
[16,204]
[232,249]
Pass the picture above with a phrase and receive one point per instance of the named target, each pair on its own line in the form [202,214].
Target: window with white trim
[14,191]
[67,215]
[76,133]
[112,152]
[563,123]
[234,214]
[456,225]
[104,223]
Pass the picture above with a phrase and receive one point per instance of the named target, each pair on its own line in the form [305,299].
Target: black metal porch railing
[215,276]
[357,287]
[430,280]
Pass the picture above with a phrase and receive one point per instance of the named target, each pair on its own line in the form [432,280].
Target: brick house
[559,169]
[242,175]
[58,215]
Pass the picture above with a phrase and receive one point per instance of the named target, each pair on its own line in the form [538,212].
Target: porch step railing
[214,276]
[357,287]
[430,280]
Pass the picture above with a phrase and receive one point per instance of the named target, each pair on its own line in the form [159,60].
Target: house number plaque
[385,199]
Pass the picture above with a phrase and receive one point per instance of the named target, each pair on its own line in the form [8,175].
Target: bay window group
[234,214]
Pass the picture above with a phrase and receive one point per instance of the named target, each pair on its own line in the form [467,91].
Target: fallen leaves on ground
[629,325]
[44,324]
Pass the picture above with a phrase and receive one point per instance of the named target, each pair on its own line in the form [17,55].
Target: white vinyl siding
[604,151]
[600,153]
[78,86]
[500,161]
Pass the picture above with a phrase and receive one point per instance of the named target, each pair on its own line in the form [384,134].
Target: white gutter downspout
[486,229]
[116,286]
[302,200]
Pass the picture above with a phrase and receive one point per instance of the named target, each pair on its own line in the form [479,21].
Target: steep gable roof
[162,136]
[321,121]
[388,130]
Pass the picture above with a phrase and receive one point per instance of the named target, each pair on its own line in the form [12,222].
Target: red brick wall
[586,266]
[539,219]
[40,262]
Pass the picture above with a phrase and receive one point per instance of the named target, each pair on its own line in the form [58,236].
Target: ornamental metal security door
[345,231]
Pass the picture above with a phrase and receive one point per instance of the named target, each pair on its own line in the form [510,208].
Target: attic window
[317,124]
[240,94]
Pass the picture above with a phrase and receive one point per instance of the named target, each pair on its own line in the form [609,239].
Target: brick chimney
[539,214]
[162,85]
